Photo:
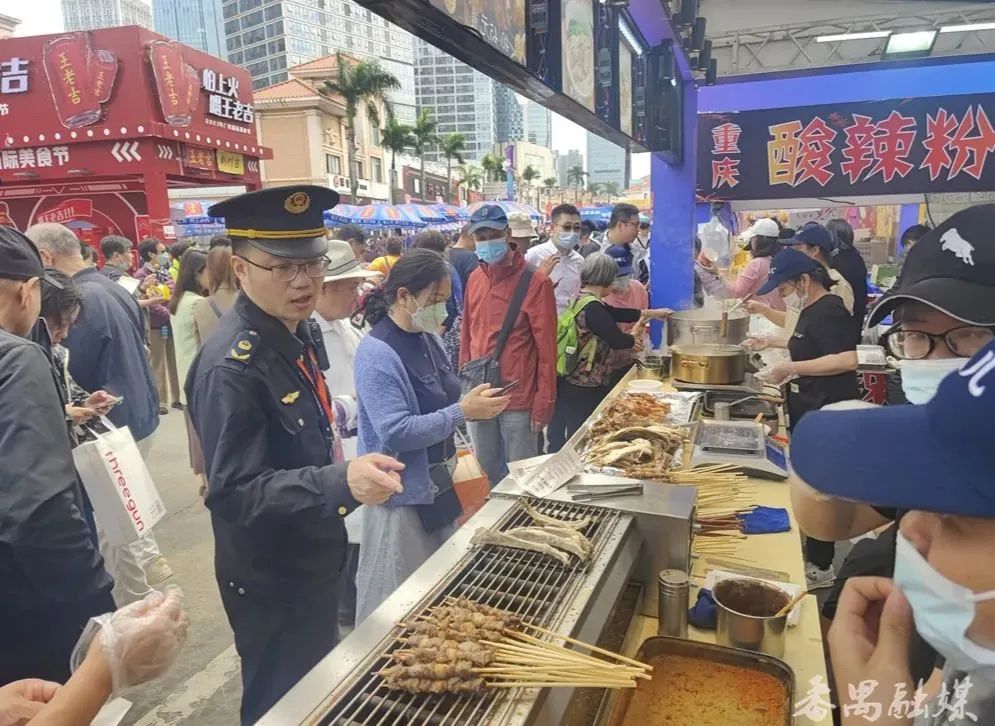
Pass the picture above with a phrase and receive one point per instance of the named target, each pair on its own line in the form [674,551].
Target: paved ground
[204,686]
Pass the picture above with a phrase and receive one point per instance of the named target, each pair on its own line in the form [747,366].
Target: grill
[530,584]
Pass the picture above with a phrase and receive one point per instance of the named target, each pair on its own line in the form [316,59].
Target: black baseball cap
[283,221]
[788,264]
[19,258]
[951,268]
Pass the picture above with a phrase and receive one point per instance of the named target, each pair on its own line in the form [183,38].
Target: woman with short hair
[581,389]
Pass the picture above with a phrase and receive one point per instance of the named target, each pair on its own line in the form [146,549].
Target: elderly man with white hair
[107,352]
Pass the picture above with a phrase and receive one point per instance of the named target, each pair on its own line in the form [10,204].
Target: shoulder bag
[488,368]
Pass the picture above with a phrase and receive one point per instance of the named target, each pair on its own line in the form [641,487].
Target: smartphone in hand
[507,387]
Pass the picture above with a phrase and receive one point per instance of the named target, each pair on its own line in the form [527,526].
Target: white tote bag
[124,497]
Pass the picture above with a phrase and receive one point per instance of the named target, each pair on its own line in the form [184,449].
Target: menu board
[577,36]
[625,88]
[500,22]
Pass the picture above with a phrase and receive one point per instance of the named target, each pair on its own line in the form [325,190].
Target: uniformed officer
[259,404]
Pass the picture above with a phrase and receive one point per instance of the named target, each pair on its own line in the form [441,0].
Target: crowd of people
[328,384]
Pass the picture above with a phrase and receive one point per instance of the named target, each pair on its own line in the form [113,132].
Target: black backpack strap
[514,308]
[214,307]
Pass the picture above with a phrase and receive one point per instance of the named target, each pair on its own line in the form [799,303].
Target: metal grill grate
[530,584]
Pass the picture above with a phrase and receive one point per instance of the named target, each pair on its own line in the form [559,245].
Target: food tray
[734,437]
[644,706]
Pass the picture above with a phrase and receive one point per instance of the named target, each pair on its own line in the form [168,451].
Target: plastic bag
[140,641]
[715,242]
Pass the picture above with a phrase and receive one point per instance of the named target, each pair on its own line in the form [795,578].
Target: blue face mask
[943,610]
[492,251]
[567,240]
[921,378]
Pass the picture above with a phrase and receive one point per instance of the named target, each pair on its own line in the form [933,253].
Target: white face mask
[794,303]
[943,610]
[921,378]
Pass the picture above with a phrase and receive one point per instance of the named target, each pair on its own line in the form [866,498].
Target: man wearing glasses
[563,242]
[944,308]
[260,406]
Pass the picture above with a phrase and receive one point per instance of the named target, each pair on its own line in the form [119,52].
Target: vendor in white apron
[341,338]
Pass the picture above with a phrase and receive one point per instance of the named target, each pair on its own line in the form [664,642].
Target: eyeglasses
[571,227]
[963,342]
[288,272]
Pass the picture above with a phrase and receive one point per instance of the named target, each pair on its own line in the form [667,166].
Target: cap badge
[953,242]
[297,203]
[290,397]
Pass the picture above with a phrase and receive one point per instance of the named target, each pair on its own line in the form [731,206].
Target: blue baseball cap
[812,233]
[788,264]
[622,257]
[935,457]
[488,216]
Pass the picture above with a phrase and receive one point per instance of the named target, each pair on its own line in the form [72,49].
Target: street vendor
[262,411]
[823,364]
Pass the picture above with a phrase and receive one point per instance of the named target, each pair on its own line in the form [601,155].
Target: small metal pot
[716,365]
[756,632]
[694,327]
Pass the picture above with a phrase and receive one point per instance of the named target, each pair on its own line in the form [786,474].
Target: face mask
[492,251]
[943,610]
[921,378]
[430,318]
[164,259]
[567,240]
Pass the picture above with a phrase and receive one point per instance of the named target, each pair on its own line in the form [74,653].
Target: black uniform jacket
[277,502]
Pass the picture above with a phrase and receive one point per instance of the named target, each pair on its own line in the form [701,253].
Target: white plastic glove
[778,374]
[758,342]
[140,641]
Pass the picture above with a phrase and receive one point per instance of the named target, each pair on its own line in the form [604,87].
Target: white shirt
[566,274]
[341,341]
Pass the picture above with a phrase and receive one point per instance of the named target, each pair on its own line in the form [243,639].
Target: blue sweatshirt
[107,351]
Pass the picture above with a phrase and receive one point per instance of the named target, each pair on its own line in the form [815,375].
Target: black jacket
[277,502]
[48,562]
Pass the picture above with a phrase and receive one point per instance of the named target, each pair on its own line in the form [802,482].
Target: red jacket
[530,354]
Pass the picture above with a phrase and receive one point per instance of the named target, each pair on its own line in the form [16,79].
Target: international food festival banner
[900,146]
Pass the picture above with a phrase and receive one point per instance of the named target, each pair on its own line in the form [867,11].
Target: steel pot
[693,327]
[745,609]
[713,365]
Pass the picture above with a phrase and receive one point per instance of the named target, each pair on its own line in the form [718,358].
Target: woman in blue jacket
[410,407]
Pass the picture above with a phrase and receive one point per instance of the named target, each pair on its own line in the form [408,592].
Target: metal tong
[593,492]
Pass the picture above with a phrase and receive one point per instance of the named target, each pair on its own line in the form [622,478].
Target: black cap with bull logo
[283,221]
[951,268]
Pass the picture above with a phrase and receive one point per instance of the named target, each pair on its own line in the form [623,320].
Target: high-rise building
[564,163]
[459,98]
[269,40]
[538,124]
[91,14]
[509,122]
[605,162]
[196,23]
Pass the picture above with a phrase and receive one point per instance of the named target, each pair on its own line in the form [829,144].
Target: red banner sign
[67,211]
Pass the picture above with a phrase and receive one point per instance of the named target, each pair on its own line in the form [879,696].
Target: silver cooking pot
[693,327]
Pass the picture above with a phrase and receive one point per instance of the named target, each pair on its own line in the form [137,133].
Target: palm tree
[453,146]
[549,182]
[575,176]
[493,167]
[610,189]
[528,176]
[471,177]
[359,84]
[395,137]
[423,138]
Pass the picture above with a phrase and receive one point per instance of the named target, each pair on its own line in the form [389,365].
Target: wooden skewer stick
[791,603]
[559,684]
[542,646]
[593,648]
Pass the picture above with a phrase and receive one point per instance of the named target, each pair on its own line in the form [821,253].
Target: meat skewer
[548,521]
[493,537]
[545,536]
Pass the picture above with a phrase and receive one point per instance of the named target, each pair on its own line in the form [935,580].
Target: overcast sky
[45,16]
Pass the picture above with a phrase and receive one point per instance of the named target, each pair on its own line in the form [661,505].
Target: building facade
[196,23]
[605,162]
[269,41]
[509,121]
[564,163]
[538,124]
[7,26]
[308,134]
[459,98]
[93,14]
